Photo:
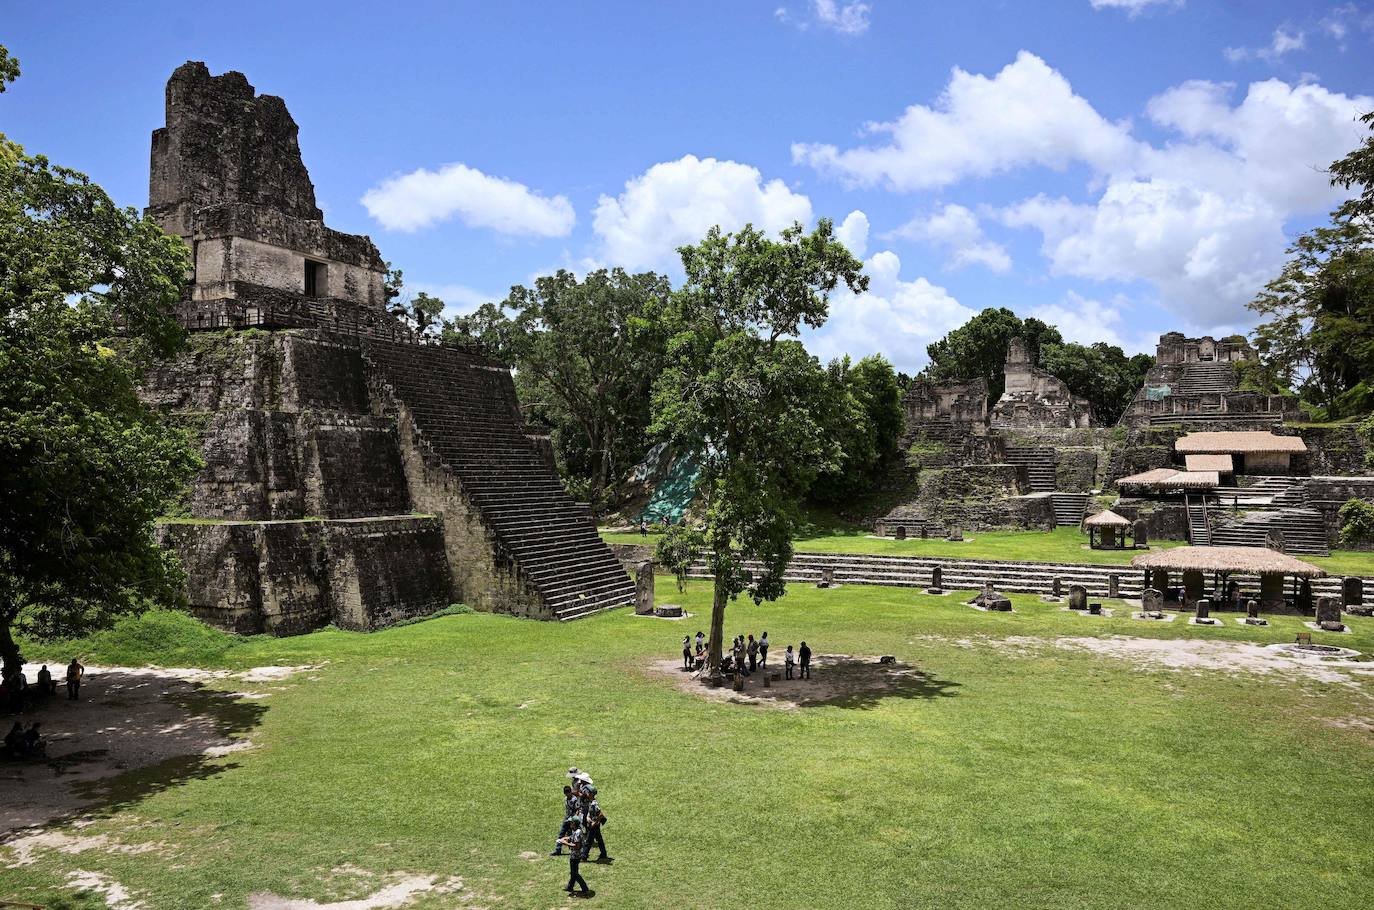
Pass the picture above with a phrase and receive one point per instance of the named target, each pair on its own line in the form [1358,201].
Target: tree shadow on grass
[837,681]
[132,735]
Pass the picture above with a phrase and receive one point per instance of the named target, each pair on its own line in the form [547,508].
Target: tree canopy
[1319,335]
[586,354]
[84,466]
[865,414]
[739,389]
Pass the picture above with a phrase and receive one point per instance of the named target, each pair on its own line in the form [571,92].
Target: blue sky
[1120,167]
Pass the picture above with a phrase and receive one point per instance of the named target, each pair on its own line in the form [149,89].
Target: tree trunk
[717,628]
[9,651]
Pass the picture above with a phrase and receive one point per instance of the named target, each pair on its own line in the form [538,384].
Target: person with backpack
[571,807]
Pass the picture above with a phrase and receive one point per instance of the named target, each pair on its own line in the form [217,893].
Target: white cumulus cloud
[1025,115]
[1201,215]
[853,233]
[408,202]
[674,203]
[894,317]
[956,230]
[845,18]
[1087,321]
[1283,42]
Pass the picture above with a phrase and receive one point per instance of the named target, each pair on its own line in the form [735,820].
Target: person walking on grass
[804,655]
[74,673]
[573,841]
[571,806]
[789,660]
[593,818]
[763,651]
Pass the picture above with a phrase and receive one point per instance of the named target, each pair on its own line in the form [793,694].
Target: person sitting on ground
[571,806]
[573,841]
[74,673]
[46,684]
[789,658]
[14,740]
[804,660]
[753,650]
[34,746]
[686,652]
[763,650]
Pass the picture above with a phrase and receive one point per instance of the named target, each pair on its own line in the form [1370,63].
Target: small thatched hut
[1106,530]
[1270,566]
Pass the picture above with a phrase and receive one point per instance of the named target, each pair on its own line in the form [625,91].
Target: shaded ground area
[132,733]
[837,680]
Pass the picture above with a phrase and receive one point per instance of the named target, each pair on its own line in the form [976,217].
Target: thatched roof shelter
[1247,560]
[1238,442]
[1172,479]
[1222,464]
[1107,519]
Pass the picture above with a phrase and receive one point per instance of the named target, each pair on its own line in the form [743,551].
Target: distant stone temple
[1194,381]
[946,409]
[1034,398]
[353,475]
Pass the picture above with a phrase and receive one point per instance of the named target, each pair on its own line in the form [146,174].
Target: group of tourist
[581,829]
[745,656]
[17,692]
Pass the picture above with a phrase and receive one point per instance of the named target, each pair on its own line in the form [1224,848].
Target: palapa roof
[1172,479]
[1107,519]
[1251,560]
[1238,441]
[1222,464]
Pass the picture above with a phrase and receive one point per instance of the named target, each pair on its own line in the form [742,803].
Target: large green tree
[1099,372]
[585,353]
[739,389]
[1318,336]
[978,348]
[84,466]
[865,414]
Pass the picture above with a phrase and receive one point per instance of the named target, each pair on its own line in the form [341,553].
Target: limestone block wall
[1076,470]
[1164,519]
[290,577]
[1331,451]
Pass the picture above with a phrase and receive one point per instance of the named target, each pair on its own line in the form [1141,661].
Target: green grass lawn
[1035,778]
[1059,545]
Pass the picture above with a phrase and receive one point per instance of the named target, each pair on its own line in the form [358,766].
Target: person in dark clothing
[804,660]
[74,673]
[753,650]
[46,684]
[643,528]
[18,683]
[571,807]
[594,818]
[573,842]
[686,652]
[763,650]
[33,742]
[14,740]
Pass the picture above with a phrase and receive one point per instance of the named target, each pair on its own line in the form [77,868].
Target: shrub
[1357,523]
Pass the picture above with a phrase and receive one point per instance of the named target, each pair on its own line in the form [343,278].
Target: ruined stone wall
[1165,519]
[290,577]
[1327,494]
[1331,451]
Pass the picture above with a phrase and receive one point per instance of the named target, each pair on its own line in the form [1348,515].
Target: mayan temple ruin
[354,473]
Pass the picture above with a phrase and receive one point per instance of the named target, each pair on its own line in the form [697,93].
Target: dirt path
[170,724]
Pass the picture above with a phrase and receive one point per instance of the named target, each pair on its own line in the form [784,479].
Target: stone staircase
[1039,464]
[1206,377]
[970,574]
[1199,535]
[464,410]
[1304,531]
[1069,508]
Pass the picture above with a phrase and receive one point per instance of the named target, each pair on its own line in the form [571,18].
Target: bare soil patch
[134,731]
[838,680]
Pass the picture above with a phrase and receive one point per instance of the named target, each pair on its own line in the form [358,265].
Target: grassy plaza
[1016,766]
